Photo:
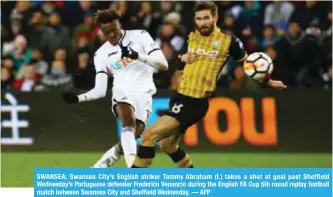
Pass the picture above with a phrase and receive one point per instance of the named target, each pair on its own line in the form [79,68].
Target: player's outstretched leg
[163,127]
[179,157]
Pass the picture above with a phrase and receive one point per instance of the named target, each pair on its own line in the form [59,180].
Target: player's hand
[191,57]
[276,84]
[70,98]
[188,58]
[128,52]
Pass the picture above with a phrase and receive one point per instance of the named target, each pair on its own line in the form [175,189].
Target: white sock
[109,158]
[128,143]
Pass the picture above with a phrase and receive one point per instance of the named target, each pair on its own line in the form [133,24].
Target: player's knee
[138,133]
[126,115]
[140,127]
[128,121]
[168,147]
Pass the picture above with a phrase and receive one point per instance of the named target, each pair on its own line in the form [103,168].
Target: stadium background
[46,49]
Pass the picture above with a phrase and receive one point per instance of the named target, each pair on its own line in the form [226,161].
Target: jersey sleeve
[99,63]
[183,50]
[237,50]
[149,45]
[101,80]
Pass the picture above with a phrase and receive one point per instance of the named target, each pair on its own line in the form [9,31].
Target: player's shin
[145,157]
[181,159]
[128,144]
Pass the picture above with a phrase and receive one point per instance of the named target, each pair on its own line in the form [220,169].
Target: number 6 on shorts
[176,108]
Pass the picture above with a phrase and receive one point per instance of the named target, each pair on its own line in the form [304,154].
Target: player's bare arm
[276,84]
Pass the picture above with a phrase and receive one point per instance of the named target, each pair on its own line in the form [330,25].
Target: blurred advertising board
[295,120]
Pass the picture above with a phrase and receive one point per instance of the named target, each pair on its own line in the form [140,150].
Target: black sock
[178,155]
[146,152]
[145,157]
[181,158]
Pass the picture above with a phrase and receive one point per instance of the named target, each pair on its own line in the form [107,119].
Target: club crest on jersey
[216,44]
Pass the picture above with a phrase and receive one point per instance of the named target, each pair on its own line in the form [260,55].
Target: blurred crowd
[49,44]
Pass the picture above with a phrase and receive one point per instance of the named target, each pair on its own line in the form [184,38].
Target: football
[259,66]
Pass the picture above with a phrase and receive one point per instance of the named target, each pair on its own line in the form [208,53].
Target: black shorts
[187,110]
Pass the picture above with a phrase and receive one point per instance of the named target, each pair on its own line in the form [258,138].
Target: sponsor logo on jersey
[213,53]
[113,53]
[117,65]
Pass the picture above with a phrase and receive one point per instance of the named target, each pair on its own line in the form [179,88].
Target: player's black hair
[206,5]
[106,16]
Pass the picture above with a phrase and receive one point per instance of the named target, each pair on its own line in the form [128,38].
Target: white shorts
[141,103]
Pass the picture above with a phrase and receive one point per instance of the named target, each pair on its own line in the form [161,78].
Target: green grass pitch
[17,168]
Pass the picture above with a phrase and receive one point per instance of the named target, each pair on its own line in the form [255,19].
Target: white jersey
[134,76]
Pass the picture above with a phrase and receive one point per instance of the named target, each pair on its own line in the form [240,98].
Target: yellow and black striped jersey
[212,52]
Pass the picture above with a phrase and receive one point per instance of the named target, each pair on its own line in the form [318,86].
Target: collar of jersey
[123,32]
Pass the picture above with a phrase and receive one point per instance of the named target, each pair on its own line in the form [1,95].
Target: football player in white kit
[131,56]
